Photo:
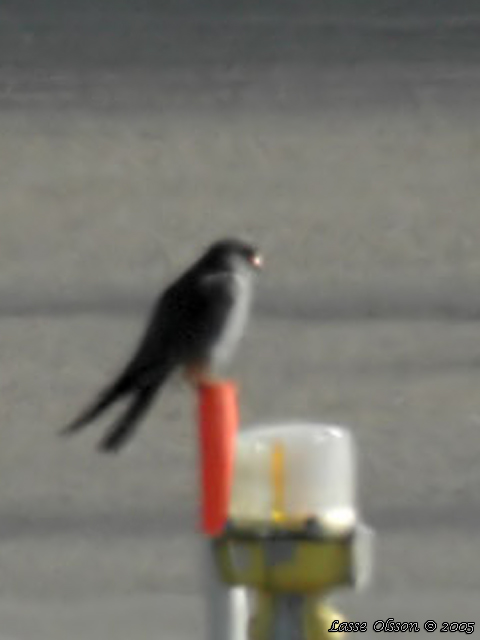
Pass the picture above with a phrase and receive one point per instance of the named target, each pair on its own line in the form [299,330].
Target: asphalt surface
[345,140]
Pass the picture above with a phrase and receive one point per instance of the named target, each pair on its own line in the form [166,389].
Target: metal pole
[226,607]
[288,617]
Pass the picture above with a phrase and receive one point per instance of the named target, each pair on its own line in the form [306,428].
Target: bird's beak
[257,261]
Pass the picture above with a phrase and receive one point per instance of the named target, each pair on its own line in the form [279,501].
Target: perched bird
[195,327]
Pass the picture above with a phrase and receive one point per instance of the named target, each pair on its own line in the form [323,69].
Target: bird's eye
[256,260]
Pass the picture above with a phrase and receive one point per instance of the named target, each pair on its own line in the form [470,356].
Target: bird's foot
[200,376]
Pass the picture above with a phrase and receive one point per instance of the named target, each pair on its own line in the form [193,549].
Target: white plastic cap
[292,472]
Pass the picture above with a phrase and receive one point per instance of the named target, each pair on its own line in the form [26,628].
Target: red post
[217,424]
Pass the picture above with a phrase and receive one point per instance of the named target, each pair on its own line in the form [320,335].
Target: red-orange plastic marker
[218,424]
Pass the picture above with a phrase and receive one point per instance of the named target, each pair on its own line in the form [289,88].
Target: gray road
[347,143]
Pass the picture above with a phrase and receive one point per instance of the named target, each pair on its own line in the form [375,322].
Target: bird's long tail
[111,394]
[142,385]
[123,429]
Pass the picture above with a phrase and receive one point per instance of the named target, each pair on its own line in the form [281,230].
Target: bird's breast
[236,320]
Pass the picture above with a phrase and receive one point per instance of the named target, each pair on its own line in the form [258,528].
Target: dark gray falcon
[196,325]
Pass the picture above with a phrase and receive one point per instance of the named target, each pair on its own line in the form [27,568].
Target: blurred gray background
[343,137]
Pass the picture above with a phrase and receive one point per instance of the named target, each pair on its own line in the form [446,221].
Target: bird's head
[232,254]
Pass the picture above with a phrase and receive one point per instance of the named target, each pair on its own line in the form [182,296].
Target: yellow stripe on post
[278,482]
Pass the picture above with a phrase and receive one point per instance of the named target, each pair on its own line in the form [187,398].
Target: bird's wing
[203,317]
[181,329]
[156,347]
